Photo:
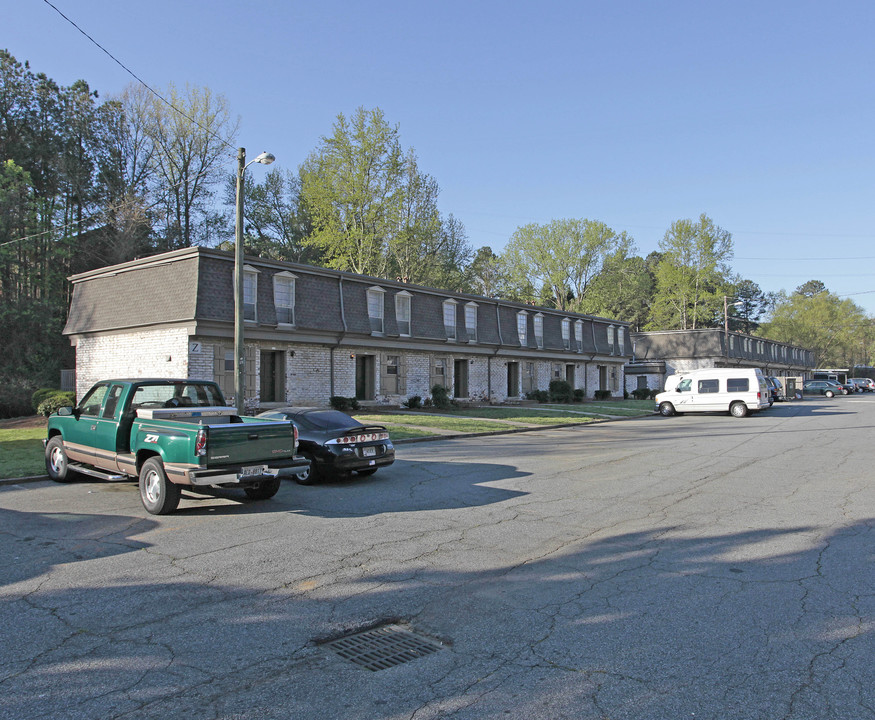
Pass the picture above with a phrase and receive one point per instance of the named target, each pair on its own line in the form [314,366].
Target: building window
[284,297]
[392,364]
[375,309]
[402,312]
[250,292]
[539,330]
[611,338]
[557,371]
[471,321]
[578,335]
[450,319]
[566,333]
[621,340]
[642,382]
[521,327]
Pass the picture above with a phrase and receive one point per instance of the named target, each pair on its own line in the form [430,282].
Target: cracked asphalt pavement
[685,567]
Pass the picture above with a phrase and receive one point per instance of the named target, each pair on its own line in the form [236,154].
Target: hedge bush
[540,396]
[641,393]
[560,391]
[440,397]
[40,395]
[602,394]
[413,402]
[344,404]
[54,401]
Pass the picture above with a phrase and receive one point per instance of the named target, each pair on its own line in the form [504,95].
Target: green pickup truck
[169,433]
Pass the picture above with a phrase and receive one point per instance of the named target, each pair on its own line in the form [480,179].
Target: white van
[736,390]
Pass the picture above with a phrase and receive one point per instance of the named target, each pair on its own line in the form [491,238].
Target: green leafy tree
[623,290]
[691,275]
[749,304]
[351,186]
[837,331]
[486,275]
[564,256]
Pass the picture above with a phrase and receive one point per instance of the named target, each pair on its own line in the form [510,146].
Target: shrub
[641,393]
[413,402]
[602,394]
[560,391]
[15,398]
[654,393]
[41,395]
[541,396]
[578,395]
[344,404]
[57,400]
[440,397]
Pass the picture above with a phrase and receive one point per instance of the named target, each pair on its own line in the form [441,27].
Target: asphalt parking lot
[684,567]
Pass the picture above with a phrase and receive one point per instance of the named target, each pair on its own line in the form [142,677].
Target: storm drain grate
[383,647]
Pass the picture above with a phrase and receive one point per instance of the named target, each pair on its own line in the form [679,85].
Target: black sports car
[335,443]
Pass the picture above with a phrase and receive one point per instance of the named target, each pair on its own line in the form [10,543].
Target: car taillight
[200,443]
[360,438]
[295,434]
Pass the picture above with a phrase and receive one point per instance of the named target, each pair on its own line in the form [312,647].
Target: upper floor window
[522,320]
[539,330]
[611,338]
[578,334]
[566,333]
[250,292]
[471,321]
[402,312]
[284,297]
[450,319]
[375,308]
[621,340]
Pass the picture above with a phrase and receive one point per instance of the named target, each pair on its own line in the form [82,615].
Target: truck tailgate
[250,442]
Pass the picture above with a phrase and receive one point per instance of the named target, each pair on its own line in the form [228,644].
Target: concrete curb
[23,480]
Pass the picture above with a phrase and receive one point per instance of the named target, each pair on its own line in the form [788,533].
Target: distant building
[655,355]
[312,333]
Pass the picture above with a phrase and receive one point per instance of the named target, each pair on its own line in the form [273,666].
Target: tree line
[87,182]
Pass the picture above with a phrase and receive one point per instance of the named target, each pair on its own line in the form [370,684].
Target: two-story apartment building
[312,333]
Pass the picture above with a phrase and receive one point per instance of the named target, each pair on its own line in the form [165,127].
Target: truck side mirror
[66,410]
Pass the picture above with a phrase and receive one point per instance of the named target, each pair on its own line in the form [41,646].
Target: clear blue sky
[759,114]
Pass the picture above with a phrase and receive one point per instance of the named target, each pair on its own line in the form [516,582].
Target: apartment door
[569,375]
[364,377]
[460,378]
[272,378]
[513,379]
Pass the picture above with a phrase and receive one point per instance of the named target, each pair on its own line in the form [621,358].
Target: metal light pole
[239,350]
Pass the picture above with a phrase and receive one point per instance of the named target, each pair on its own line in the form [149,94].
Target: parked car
[335,443]
[822,387]
[863,384]
[776,389]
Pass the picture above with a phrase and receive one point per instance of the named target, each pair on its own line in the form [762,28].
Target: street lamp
[239,352]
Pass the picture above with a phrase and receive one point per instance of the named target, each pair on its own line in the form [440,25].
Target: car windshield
[325,420]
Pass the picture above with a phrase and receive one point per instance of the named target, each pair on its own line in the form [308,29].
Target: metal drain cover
[383,647]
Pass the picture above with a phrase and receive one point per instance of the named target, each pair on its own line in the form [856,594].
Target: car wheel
[57,464]
[829,393]
[311,475]
[366,472]
[666,409]
[264,490]
[738,409]
[159,495]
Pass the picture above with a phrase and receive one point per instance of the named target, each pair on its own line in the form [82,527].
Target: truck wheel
[738,409]
[57,464]
[264,490]
[666,409]
[159,495]
[310,475]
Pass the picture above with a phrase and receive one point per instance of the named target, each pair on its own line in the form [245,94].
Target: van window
[737,385]
[685,385]
[709,386]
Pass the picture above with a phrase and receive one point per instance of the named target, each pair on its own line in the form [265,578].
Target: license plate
[369,451]
[251,470]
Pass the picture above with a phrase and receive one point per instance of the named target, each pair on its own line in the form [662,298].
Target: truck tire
[57,464]
[264,490]
[666,409]
[159,495]
[738,409]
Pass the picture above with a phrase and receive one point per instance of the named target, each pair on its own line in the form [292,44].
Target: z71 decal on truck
[169,433]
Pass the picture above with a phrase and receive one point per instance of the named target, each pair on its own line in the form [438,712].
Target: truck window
[91,403]
[737,385]
[109,407]
[709,386]
[685,385]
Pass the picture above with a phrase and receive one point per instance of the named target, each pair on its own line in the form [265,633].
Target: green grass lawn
[21,452]
[457,424]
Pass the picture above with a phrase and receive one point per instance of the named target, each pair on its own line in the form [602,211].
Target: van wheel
[738,409]
[159,495]
[666,409]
